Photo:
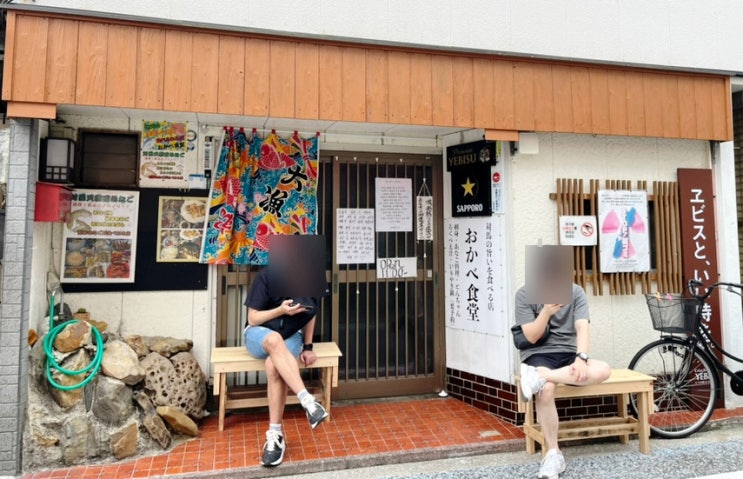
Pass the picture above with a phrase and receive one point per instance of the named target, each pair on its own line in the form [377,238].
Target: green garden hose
[51,362]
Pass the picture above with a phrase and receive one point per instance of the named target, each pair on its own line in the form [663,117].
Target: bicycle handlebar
[694,284]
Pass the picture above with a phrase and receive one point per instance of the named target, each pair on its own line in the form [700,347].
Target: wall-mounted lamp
[528,144]
[57,160]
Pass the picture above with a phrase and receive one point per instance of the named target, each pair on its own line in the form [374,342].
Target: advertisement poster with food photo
[168,154]
[180,228]
[99,240]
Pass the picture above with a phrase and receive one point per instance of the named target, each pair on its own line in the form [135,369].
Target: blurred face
[549,274]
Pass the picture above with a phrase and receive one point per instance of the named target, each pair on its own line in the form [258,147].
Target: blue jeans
[254,336]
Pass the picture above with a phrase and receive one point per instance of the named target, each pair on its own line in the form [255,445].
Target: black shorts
[551,360]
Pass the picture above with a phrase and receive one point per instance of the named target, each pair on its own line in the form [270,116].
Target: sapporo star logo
[468,187]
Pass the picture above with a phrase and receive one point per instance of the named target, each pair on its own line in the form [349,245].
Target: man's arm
[583,336]
[256,317]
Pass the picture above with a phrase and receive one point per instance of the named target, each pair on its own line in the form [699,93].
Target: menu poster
[180,228]
[394,204]
[99,241]
[354,234]
[165,153]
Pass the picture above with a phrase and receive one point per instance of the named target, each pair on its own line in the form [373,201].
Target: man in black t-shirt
[280,329]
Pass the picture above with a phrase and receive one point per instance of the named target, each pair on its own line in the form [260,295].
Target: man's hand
[551,309]
[308,357]
[579,370]
[288,307]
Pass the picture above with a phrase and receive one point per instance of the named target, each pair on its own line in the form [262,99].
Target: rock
[113,401]
[159,372]
[43,436]
[33,336]
[138,345]
[179,421]
[76,362]
[75,443]
[156,428]
[170,346]
[101,326]
[144,403]
[121,362]
[179,382]
[189,385]
[73,337]
[124,441]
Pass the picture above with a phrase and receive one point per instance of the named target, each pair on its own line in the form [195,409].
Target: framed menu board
[100,237]
[180,228]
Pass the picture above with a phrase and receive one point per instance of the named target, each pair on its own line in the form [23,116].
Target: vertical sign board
[471,184]
[698,245]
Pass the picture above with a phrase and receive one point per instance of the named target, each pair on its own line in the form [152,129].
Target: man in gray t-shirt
[562,358]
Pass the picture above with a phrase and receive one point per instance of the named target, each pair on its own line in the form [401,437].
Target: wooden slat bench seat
[238,360]
[621,384]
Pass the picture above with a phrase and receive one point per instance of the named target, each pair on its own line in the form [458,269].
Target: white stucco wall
[620,324]
[180,314]
[673,33]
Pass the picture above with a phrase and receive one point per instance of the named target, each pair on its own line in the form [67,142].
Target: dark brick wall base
[499,398]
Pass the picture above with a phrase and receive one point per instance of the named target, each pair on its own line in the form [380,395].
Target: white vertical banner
[473,268]
[424,218]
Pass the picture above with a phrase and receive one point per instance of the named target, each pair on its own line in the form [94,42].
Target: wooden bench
[621,383]
[238,360]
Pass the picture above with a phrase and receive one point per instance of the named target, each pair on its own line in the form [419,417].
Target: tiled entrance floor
[359,434]
[374,430]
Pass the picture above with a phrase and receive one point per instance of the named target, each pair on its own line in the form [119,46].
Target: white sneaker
[552,466]
[531,382]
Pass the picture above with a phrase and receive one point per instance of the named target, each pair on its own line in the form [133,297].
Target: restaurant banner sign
[698,246]
[100,238]
[470,167]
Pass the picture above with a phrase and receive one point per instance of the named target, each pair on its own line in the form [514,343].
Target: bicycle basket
[672,313]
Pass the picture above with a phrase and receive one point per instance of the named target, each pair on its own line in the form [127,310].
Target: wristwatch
[307,347]
[583,356]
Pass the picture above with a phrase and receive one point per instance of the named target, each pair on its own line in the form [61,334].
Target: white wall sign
[391,268]
[473,275]
[578,230]
[424,218]
[624,242]
[394,204]
[354,235]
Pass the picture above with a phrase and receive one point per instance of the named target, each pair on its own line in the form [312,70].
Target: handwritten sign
[354,230]
[394,204]
[424,218]
[397,268]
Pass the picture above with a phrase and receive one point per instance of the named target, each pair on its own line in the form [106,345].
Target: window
[107,159]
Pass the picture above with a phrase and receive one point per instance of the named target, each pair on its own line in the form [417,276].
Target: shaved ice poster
[624,236]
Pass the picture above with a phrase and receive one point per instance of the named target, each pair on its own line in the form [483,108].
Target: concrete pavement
[714,453]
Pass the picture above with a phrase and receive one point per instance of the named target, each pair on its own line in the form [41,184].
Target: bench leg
[643,404]
[622,403]
[531,444]
[327,386]
[222,399]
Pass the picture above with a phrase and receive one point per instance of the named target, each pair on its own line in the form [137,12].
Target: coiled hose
[51,362]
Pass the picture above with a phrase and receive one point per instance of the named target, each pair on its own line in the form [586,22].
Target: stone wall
[147,396]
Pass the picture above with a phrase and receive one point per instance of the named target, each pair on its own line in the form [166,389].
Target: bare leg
[283,361]
[598,372]
[276,393]
[547,414]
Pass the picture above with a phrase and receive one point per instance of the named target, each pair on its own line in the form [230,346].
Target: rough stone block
[124,441]
[179,421]
[121,362]
[113,400]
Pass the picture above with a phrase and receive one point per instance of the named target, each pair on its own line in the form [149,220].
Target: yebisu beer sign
[469,165]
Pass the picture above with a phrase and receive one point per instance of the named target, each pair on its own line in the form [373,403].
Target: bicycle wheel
[684,390]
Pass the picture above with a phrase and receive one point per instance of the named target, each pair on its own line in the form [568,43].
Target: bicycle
[683,362]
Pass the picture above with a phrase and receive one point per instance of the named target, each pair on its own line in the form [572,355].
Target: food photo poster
[180,228]
[100,237]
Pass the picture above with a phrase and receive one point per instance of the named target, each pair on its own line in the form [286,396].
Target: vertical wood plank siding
[75,60]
